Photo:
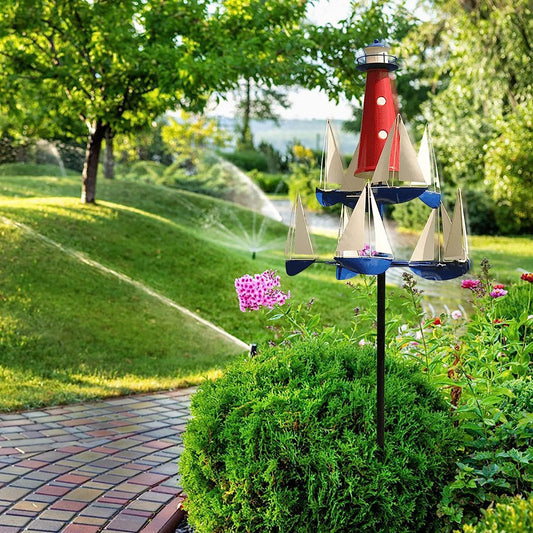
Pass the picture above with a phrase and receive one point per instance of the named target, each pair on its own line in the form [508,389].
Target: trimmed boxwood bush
[286,441]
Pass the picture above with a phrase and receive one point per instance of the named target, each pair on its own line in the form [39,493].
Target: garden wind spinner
[384,169]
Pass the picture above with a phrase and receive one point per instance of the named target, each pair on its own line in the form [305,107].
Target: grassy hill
[69,331]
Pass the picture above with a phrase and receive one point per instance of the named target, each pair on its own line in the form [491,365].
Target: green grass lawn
[70,332]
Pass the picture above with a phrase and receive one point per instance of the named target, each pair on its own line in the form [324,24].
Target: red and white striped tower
[379,105]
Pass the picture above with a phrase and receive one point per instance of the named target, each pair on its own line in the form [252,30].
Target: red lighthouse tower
[379,108]
[385,157]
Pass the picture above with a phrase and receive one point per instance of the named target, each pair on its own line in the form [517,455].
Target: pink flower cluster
[527,276]
[259,291]
[498,293]
[366,252]
[470,284]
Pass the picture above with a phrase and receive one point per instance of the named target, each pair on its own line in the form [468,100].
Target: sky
[306,104]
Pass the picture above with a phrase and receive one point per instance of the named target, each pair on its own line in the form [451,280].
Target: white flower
[456,315]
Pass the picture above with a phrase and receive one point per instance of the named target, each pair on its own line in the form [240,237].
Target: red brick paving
[106,466]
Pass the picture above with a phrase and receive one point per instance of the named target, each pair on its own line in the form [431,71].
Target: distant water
[309,133]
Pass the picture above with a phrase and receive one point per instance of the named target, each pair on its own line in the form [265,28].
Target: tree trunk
[109,160]
[246,134]
[90,167]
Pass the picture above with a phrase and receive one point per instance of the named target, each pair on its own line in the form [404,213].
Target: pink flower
[470,283]
[498,293]
[528,276]
[259,291]
[366,252]
[456,315]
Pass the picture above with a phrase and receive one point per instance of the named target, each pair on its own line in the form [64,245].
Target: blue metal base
[327,198]
[365,265]
[431,198]
[295,266]
[344,273]
[382,193]
[440,271]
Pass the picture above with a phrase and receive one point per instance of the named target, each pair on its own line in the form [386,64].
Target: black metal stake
[380,390]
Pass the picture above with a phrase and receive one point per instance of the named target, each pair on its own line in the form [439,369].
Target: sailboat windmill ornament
[384,169]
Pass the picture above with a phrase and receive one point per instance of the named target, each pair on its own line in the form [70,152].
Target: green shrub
[498,458]
[207,178]
[480,209]
[412,215]
[270,183]
[513,517]
[147,171]
[277,162]
[248,159]
[286,441]
[32,169]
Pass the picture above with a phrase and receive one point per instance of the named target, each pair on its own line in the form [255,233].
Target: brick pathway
[105,466]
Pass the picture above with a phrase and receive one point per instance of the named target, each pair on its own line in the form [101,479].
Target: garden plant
[285,441]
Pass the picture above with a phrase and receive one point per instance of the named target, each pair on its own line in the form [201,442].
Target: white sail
[455,247]
[343,221]
[353,238]
[350,182]
[357,234]
[299,240]
[408,169]
[446,222]
[334,166]
[302,240]
[427,161]
[424,159]
[381,173]
[352,167]
[425,246]
[381,243]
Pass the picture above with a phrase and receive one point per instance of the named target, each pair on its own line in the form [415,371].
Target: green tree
[118,65]
[474,65]
[257,103]
[187,137]
[331,50]
[109,65]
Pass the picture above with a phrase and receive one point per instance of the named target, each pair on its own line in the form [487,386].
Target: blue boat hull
[431,198]
[365,265]
[343,273]
[382,193]
[440,271]
[295,266]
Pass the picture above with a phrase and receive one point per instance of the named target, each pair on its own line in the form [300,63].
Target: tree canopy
[105,65]
[473,72]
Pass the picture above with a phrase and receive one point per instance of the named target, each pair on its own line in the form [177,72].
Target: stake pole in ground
[380,394]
